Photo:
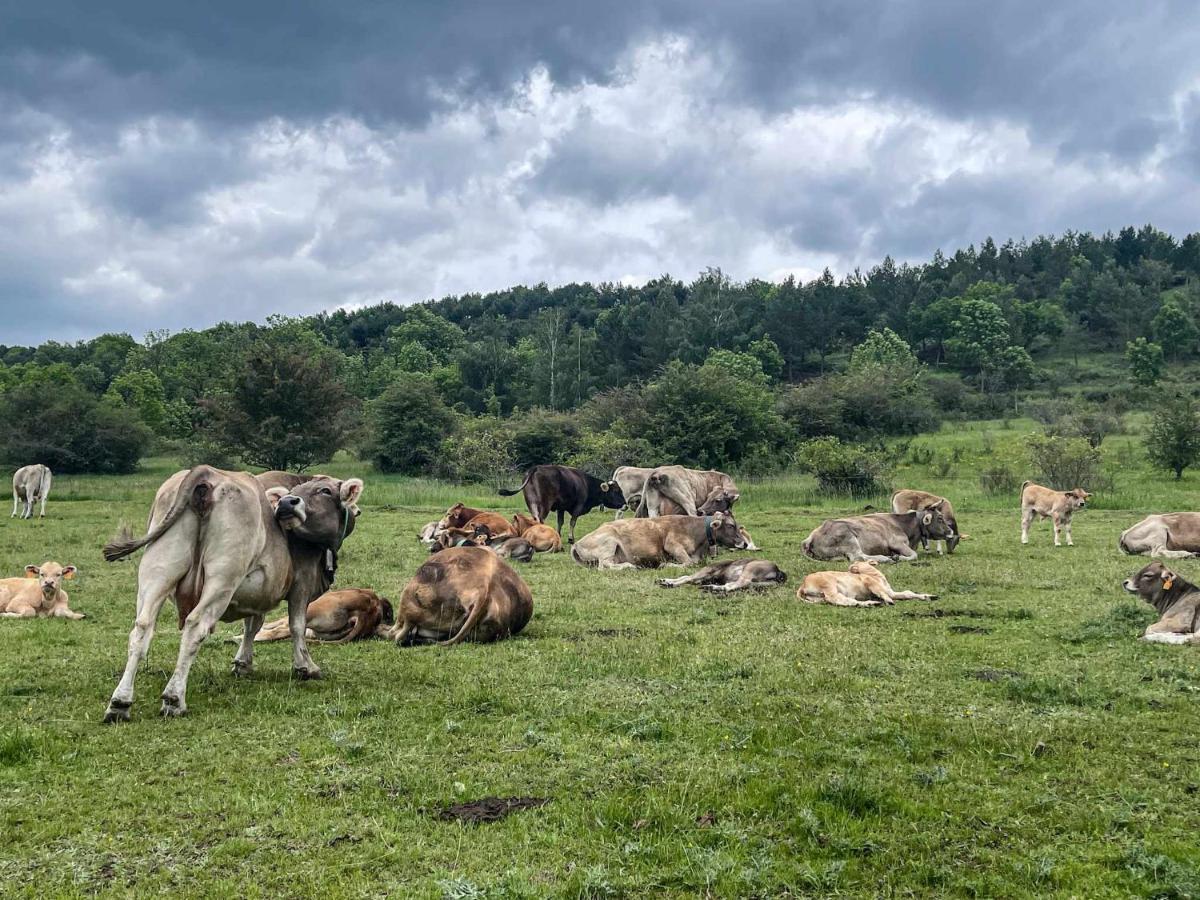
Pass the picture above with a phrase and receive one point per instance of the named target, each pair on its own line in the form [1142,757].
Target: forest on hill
[712,372]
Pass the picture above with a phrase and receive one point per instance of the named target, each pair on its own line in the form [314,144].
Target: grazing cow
[227,549]
[338,617]
[459,516]
[1172,535]
[38,594]
[666,540]
[462,594]
[877,537]
[1177,602]
[563,489]
[732,575]
[907,501]
[542,538]
[31,484]
[687,489]
[631,480]
[1057,506]
[861,585]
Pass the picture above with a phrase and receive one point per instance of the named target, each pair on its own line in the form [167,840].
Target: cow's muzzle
[1128,585]
[290,511]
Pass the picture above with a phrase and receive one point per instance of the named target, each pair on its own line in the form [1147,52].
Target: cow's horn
[605,485]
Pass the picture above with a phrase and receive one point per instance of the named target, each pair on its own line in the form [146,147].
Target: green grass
[688,745]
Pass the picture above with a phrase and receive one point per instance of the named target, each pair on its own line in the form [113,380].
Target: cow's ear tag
[1169,583]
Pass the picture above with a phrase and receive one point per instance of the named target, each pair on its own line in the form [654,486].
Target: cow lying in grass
[732,575]
[459,516]
[39,594]
[861,585]
[1171,535]
[505,545]
[542,538]
[462,594]
[338,617]
[877,537]
[667,540]
[1177,602]
[907,501]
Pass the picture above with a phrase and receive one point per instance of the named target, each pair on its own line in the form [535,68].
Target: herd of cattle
[229,546]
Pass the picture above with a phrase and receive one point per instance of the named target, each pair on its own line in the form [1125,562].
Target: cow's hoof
[312,674]
[172,707]
[241,669]
[117,712]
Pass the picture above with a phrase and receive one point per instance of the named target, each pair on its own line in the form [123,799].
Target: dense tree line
[757,365]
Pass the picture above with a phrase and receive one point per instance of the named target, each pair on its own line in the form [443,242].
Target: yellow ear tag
[1168,583]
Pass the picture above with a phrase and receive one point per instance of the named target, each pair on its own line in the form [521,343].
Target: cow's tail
[807,547]
[505,492]
[194,492]
[580,560]
[1025,484]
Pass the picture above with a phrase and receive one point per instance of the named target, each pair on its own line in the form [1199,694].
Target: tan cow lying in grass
[459,516]
[861,585]
[38,594]
[1057,506]
[338,617]
[462,594]
[909,500]
[1170,535]
[542,538]
[731,575]
[666,540]
[1177,602]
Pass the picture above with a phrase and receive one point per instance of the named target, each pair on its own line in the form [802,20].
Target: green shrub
[1065,463]
[409,422]
[844,468]
[999,479]
[544,436]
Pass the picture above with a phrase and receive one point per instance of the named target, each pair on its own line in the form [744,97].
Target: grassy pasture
[1010,739]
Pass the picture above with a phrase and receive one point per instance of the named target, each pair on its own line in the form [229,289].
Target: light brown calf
[861,585]
[38,594]
[1057,506]
[542,538]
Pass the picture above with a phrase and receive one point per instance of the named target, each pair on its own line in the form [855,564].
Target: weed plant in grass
[687,745]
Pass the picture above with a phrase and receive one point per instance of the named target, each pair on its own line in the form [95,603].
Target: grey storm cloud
[170,165]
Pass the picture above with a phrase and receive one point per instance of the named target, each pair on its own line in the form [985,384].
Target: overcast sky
[170,165]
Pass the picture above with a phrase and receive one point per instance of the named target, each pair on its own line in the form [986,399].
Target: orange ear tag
[1168,584]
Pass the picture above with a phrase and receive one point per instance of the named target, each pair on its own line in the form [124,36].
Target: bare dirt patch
[489,809]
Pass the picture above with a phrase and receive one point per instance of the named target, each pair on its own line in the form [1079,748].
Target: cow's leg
[904,552]
[743,581]
[220,583]
[21,612]
[163,565]
[611,563]
[560,522]
[15,501]
[895,595]
[1057,529]
[574,519]
[1067,529]
[302,662]
[1161,550]
[1026,520]
[43,506]
[837,598]
[243,662]
[709,575]
[1166,637]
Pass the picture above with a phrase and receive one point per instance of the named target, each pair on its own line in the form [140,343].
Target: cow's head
[429,533]
[321,511]
[1157,585]
[1077,499]
[456,517]
[728,533]
[611,496]
[50,576]
[948,514]
[718,500]
[934,525]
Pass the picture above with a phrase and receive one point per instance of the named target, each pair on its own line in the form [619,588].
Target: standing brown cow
[1057,506]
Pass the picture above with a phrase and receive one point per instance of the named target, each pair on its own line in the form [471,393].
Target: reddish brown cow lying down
[462,594]
[338,617]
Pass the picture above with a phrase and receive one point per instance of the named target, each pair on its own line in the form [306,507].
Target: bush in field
[999,479]
[409,422]
[544,436]
[1065,418]
[1145,362]
[481,452]
[1173,439]
[70,430]
[844,468]
[708,416]
[601,452]
[1065,463]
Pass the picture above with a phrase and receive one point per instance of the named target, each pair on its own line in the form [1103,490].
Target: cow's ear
[69,572]
[1168,579]
[351,490]
[32,571]
[718,518]
[927,518]
[275,494]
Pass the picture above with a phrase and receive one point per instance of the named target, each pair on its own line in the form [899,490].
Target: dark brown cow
[563,489]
